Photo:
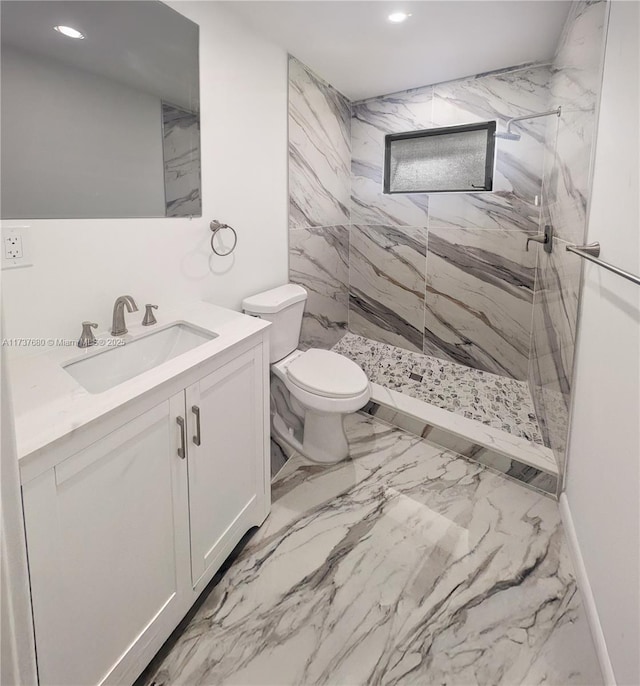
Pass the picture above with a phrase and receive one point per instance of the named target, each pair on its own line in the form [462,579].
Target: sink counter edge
[49,404]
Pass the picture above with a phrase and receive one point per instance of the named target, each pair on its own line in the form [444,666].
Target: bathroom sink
[104,369]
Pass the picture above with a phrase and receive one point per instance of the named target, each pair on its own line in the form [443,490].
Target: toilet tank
[284,307]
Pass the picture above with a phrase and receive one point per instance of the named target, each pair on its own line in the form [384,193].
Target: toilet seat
[316,401]
[328,374]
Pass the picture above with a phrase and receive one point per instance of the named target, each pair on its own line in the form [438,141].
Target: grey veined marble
[498,95]
[386,283]
[181,149]
[478,302]
[576,74]
[319,150]
[319,261]
[404,565]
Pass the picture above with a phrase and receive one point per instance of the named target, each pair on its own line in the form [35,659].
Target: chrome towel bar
[591,252]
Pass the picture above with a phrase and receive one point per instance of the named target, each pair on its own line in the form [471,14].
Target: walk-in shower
[458,324]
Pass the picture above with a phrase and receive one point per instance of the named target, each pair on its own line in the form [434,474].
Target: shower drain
[415,377]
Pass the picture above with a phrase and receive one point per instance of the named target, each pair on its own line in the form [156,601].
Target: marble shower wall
[448,274]
[470,300]
[444,274]
[576,74]
[319,198]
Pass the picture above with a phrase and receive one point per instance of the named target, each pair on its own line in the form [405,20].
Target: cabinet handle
[196,410]
[182,450]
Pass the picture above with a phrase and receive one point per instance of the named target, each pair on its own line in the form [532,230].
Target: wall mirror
[103,124]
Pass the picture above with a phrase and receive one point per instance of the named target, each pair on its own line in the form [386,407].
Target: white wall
[77,144]
[603,479]
[17,650]
[81,266]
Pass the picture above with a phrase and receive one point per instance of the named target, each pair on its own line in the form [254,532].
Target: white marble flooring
[405,564]
[494,400]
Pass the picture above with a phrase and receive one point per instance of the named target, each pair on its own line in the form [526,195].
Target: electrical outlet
[15,247]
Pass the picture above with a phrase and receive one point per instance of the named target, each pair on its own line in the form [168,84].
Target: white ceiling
[145,45]
[353,46]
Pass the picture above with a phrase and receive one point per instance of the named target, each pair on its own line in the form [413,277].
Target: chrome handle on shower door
[182,450]
[196,411]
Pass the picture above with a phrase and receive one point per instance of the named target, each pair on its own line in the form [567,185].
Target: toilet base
[325,444]
[324,437]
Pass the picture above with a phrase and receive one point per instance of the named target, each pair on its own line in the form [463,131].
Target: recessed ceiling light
[69,31]
[398,17]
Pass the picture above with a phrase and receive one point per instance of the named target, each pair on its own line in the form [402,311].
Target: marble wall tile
[577,65]
[576,75]
[518,168]
[371,121]
[479,294]
[319,261]
[556,311]
[553,343]
[386,284]
[181,152]
[319,150]
[503,211]
[493,334]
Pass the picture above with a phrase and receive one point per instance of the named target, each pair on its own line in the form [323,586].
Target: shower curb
[531,464]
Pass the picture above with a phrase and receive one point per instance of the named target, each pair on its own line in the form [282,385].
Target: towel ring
[215,226]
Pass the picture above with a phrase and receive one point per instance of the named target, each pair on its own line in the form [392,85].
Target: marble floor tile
[386,283]
[405,564]
[491,399]
[319,261]
[463,442]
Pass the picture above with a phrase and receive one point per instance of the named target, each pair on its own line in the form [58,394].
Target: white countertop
[49,403]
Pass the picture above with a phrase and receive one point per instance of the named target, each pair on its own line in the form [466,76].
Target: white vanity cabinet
[107,534]
[225,454]
[124,533]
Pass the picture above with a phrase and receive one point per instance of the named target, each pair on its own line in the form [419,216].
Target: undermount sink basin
[107,368]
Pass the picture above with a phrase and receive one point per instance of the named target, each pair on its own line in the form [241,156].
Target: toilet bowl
[323,386]
[326,386]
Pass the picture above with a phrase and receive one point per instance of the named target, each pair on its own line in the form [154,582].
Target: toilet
[324,386]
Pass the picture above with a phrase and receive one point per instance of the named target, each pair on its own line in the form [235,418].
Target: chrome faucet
[118,327]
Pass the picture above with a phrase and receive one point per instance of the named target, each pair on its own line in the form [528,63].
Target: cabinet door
[107,534]
[226,470]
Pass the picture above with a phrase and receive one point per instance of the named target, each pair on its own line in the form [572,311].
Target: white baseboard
[587,596]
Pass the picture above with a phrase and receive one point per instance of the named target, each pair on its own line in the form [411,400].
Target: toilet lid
[326,373]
